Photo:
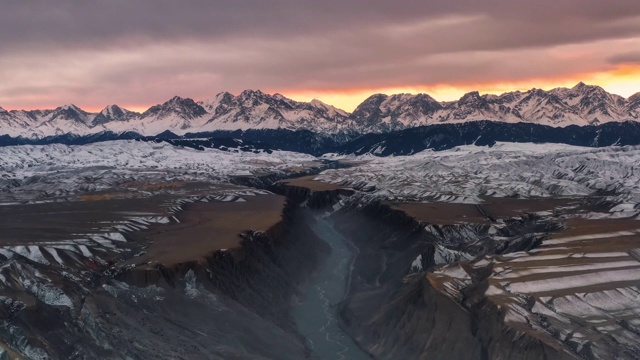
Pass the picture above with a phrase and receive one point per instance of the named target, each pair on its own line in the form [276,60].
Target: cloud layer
[138,53]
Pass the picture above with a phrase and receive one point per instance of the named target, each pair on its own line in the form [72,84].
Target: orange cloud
[623,80]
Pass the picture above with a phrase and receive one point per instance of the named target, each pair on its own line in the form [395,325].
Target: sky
[137,53]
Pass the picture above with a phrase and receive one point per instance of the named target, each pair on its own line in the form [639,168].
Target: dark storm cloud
[103,23]
[146,50]
[626,58]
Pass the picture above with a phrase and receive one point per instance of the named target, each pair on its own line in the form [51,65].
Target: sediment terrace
[208,226]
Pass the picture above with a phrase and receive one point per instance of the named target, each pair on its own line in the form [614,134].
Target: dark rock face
[383,113]
[468,104]
[243,109]
[394,311]
[368,113]
[113,113]
[421,323]
[315,200]
[183,107]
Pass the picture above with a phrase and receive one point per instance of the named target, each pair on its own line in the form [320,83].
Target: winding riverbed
[317,313]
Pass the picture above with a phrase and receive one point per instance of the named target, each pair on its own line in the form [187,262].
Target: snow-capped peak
[580,105]
[211,104]
[73,113]
[115,113]
[177,106]
[68,106]
[330,109]
[580,86]
[253,109]
[111,111]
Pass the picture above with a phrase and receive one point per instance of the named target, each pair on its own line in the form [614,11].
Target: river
[316,315]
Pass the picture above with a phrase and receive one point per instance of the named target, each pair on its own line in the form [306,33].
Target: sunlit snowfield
[58,170]
[466,173]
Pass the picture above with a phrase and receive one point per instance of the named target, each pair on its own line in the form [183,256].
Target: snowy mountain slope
[331,110]
[176,115]
[114,113]
[257,110]
[633,106]
[466,173]
[21,162]
[51,170]
[38,123]
[581,105]
[386,113]
[249,110]
[68,119]
[16,123]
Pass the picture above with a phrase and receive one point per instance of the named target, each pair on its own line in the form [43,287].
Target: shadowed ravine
[316,314]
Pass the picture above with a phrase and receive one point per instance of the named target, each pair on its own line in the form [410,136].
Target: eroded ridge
[578,290]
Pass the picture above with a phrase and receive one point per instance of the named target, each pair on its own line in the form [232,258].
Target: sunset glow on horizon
[623,81]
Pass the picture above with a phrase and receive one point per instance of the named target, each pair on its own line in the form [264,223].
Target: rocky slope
[422,290]
[84,298]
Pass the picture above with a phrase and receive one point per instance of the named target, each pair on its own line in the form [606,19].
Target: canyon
[142,250]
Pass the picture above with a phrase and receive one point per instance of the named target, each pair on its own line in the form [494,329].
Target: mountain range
[581,105]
